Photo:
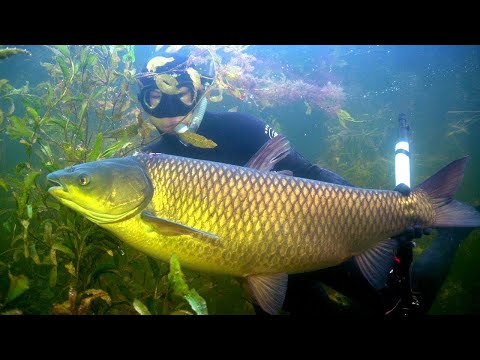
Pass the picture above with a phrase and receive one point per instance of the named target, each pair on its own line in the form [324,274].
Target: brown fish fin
[269,290]
[375,263]
[171,228]
[270,154]
[441,187]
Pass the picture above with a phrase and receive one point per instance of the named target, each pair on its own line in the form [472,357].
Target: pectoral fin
[269,290]
[171,228]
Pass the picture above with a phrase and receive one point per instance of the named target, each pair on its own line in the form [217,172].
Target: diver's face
[167,124]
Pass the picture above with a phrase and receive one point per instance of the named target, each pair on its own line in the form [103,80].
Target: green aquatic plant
[8,52]
[17,286]
[197,140]
[341,300]
[461,121]
[177,294]
[460,125]
[357,152]
[344,117]
[180,288]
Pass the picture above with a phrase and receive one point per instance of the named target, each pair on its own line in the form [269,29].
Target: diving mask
[161,105]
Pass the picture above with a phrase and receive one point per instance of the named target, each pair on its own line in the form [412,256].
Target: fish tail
[441,187]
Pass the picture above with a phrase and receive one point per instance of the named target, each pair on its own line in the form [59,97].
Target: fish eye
[83,179]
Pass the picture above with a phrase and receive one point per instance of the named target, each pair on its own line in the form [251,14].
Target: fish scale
[270,223]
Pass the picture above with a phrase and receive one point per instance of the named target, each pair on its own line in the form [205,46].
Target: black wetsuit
[238,137]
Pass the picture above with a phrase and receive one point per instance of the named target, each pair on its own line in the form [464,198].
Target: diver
[237,137]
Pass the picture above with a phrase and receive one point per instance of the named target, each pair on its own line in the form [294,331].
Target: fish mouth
[57,187]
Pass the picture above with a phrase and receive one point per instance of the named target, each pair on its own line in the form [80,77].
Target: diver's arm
[303,168]
[255,133]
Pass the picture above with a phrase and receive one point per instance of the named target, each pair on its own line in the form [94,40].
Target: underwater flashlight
[402,153]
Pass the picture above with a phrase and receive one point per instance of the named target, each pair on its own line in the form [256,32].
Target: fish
[251,222]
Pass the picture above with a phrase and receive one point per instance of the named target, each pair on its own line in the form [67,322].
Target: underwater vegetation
[357,150]
[8,52]
[461,124]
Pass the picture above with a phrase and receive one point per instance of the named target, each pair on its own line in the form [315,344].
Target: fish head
[104,191]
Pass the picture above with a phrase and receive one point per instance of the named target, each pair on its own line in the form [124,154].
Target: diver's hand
[403,189]
[411,232]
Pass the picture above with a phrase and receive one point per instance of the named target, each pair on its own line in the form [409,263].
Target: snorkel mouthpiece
[197,118]
[180,128]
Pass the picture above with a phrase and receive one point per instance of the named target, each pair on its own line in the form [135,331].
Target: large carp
[251,222]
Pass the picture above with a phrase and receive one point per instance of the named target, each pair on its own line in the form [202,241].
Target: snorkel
[197,117]
[199,109]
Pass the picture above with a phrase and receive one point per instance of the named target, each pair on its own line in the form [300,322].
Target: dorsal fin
[270,154]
